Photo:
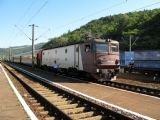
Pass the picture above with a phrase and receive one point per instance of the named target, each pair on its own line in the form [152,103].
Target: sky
[56,17]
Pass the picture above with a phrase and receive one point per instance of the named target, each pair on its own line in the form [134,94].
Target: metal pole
[33,45]
[130,43]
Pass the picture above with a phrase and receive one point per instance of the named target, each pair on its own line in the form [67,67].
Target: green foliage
[143,24]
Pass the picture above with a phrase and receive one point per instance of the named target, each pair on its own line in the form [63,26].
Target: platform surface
[10,107]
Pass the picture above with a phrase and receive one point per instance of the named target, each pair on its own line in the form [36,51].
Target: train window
[101,47]
[114,47]
[87,48]
[66,50]
[77,49]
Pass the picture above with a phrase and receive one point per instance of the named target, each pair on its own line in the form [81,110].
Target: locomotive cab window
[87,48]
[114,47]
[100,47]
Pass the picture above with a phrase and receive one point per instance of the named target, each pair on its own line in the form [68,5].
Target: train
[24,58]
[146,61]
[94,58]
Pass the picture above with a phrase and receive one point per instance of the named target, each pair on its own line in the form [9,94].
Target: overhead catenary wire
[42,34]
[37,12]
[92,14]
[24,15]
[115,5]
[22,32]
[33,16]
[26,11]
[147,6]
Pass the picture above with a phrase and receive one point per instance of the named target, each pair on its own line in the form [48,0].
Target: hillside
[144,26]
[4,52]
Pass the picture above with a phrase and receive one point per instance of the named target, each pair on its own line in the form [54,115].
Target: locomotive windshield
[101,47]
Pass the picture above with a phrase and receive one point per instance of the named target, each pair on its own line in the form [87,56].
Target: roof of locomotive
[86,41]
[104,40]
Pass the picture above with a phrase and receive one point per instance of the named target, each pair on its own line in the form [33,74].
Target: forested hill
[4,52]
[143,26]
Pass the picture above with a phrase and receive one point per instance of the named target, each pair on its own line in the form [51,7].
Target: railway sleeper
[50,118]
[50,95]
[31,98]
[61,103]
[40,88]
[53,97]
[70,106]
[76,110]
[36,104]
[82,115]
[44,113]
[47,93]
[40,108]
[34,101]
[37,85]
[55,100]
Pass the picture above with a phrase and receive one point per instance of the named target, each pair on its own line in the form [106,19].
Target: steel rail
[124,86]
[133,88]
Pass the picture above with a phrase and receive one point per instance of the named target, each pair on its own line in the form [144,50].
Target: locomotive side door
[76,56]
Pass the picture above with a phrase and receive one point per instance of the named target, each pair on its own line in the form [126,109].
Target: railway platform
[10,106]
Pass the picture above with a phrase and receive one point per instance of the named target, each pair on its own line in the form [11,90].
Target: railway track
[124,86]
[56,103]
[133,88]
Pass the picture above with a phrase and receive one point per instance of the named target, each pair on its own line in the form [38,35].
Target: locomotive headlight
[110,61]
[97,70]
